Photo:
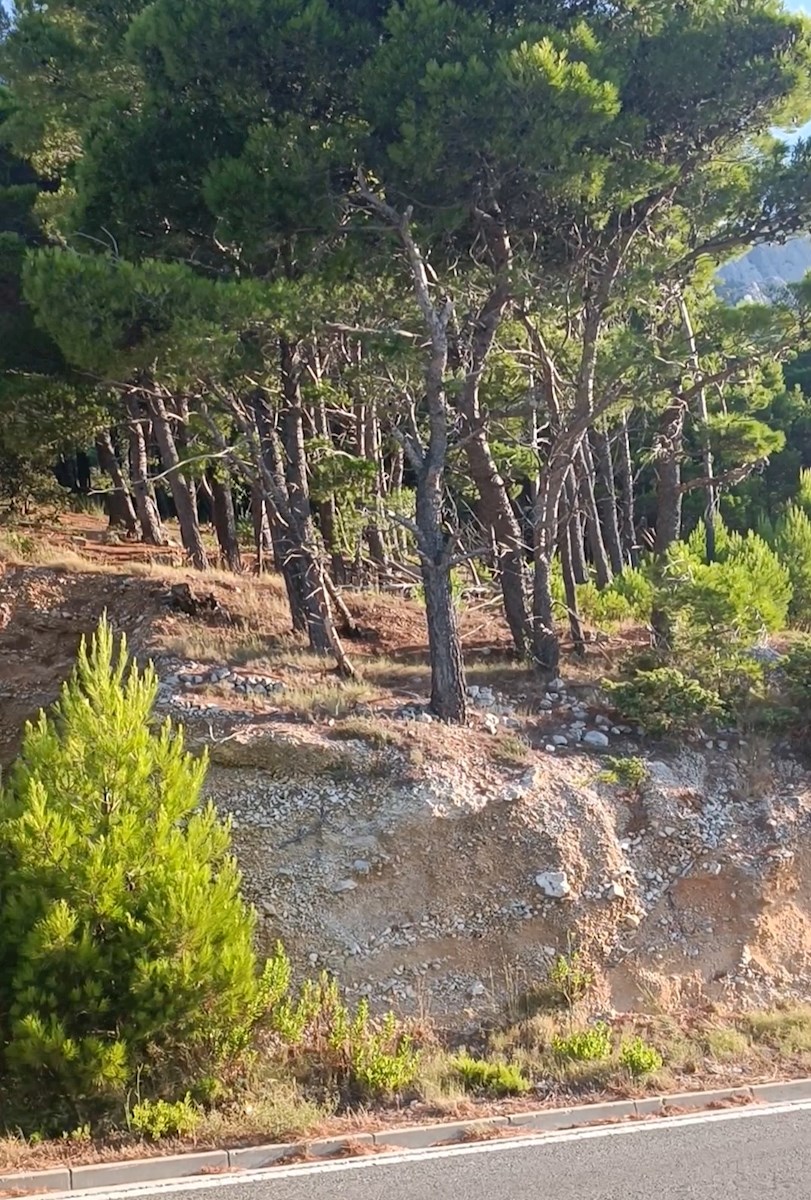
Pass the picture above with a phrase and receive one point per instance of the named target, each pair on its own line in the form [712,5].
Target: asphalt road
[757,1158]
[745,1156]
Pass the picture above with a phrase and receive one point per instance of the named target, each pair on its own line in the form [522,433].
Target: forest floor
[442,871]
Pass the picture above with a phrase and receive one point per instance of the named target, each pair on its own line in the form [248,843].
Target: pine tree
[793,544]
[126,950]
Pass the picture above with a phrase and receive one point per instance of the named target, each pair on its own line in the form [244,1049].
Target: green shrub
[570,980]
[584,1045]
[629,772]
[792,541]
[639,1058]
[605,607]
[127,949]
[634,585]
[795,667]
[664,701]
[745,591]
[368,1059]
[484,1078]
[156,1119]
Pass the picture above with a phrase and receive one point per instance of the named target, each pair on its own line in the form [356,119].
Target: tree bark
[668,504]
[263,544]
[579,565]
[120,509]
[327,516]
[570,588]
[625,473]
[145,506]
[182,492]
[607,495]
[594,532]
[374,528]
[225,524]
[707,468]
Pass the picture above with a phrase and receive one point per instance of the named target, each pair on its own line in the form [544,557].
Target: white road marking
[268,1175]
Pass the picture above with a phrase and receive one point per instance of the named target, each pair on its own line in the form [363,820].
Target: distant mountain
[765,270]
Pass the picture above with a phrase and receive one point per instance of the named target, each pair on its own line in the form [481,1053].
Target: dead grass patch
[365,729]
[511,750]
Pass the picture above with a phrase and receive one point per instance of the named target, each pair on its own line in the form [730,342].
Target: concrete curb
[416,1137]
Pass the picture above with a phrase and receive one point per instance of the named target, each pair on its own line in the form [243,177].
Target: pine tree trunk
[225,523]
[182,492]
[710,497]
[570,588]
[327,512]
[374,529]
[607,495]
[262,541]
[579,565]
[120,509]
[497,513]
[625,472]
[599,557]
[145,506]
[668,503]
[321,631]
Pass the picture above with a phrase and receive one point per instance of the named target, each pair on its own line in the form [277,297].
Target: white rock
[554,884]
[550,749]
[345,885]
[476,989]
[491,723]
[615,891]
[632,920]
[596,739]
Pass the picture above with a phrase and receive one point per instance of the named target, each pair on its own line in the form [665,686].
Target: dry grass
[326,697]
[366,729]
[511,750]
[700,1050]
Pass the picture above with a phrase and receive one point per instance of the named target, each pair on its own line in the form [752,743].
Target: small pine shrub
[569,979]
[795,666]
[629,772]
[606,607]
[156,1119]
[792,542]
[664,701]
[584,1045]
[483,1078]
[639,1058]
[127,949]
[747,589]
[635,587]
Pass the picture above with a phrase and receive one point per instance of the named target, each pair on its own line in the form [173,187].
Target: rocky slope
[430,870]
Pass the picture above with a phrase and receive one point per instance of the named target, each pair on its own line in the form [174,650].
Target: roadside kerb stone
[251,1158]
[417,1137]
[144,1170]
[782,1093]
[698,1100]
[551,1119]
[421,1137]
[56,1180]
[326,1147]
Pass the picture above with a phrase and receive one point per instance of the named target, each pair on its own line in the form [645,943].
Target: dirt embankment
[423,866]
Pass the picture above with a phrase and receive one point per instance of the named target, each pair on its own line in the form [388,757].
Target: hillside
[360,823]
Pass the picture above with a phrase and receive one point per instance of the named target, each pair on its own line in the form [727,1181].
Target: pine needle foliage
[126,949]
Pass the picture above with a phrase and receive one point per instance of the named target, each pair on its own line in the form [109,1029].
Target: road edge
[415,1137]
